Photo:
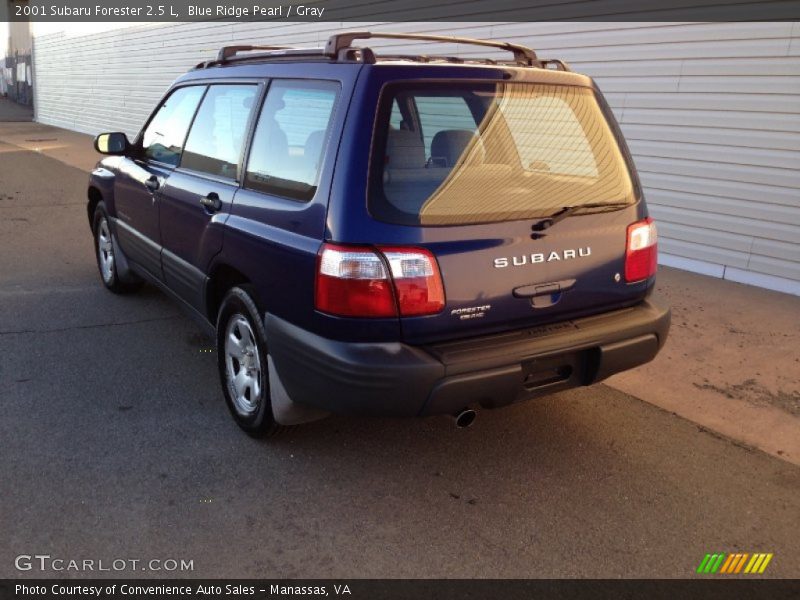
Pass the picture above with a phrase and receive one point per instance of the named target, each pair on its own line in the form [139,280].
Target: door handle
[211,202]
[543,289]
[152,184]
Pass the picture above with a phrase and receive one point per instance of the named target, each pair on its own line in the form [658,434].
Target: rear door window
[292,132]
[218,132]
[489,152]
[164,136]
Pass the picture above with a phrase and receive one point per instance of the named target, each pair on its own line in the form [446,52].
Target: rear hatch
[520,190]
[524,193]
[504,279]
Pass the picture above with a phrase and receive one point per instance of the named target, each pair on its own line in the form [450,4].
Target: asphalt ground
[115,443]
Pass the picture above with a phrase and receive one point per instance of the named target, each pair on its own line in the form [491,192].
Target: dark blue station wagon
[386,235]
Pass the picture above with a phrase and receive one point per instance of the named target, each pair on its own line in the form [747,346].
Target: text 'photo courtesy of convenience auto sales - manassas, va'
[199,590]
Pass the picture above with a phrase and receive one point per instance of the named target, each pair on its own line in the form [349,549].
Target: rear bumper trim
[395,379]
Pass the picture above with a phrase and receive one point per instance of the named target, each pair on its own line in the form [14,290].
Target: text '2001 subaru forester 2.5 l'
[386,235]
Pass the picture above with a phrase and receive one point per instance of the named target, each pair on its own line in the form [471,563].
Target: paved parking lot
[115,443]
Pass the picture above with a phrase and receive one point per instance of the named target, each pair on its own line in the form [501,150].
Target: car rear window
[462,153]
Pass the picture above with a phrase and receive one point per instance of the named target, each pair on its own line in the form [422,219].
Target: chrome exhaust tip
[465,418]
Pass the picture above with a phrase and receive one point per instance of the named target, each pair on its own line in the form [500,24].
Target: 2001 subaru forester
[386,235]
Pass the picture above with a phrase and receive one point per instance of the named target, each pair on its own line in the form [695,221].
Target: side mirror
[115,143]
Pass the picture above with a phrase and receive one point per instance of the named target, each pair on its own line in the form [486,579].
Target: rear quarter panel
[274,241]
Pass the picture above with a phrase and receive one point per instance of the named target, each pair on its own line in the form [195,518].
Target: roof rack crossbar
[228,52]
[340,41]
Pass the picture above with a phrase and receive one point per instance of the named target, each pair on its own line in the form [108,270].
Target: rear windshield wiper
[566,211]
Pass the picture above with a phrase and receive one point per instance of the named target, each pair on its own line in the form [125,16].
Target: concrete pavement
[731,363]
[115,442]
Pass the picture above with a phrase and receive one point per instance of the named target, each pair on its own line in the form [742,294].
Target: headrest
[404,150]
[313,145]
[448,145]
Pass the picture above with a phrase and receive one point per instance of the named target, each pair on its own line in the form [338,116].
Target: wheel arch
[222,278]
[101,189]
[94,197]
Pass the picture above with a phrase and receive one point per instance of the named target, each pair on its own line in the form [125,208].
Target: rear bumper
[395,379]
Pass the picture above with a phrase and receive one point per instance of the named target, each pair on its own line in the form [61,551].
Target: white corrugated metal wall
[711,112]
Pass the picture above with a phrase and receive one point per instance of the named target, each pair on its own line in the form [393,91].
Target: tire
[243,366]
[105,254]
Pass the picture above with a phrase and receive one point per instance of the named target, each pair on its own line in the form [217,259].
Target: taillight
[417,281]
[641,253]
[353,281]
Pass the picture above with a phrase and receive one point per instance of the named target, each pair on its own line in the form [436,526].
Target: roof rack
[339,48]
[559,65]
[339,42]
[229,54]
